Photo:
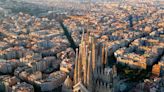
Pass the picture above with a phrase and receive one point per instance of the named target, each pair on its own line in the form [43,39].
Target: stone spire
[99,52]
[89,72]
[89,43]
[76,68]
[80,64]
[106,55]
[102,55]
[84,62]
[94,54]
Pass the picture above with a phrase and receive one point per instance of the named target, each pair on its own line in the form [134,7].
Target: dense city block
[81,46]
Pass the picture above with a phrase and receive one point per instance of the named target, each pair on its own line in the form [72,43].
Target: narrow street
[67,34]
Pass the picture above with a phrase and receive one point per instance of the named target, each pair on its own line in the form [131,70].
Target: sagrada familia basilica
[91,73]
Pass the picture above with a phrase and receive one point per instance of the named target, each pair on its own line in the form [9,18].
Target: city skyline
[81,46]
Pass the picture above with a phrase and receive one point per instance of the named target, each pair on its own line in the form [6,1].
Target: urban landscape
[81,45]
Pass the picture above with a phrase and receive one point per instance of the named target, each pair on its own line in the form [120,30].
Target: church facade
[91,73]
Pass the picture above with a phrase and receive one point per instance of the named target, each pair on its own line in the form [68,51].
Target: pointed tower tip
[77,50]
